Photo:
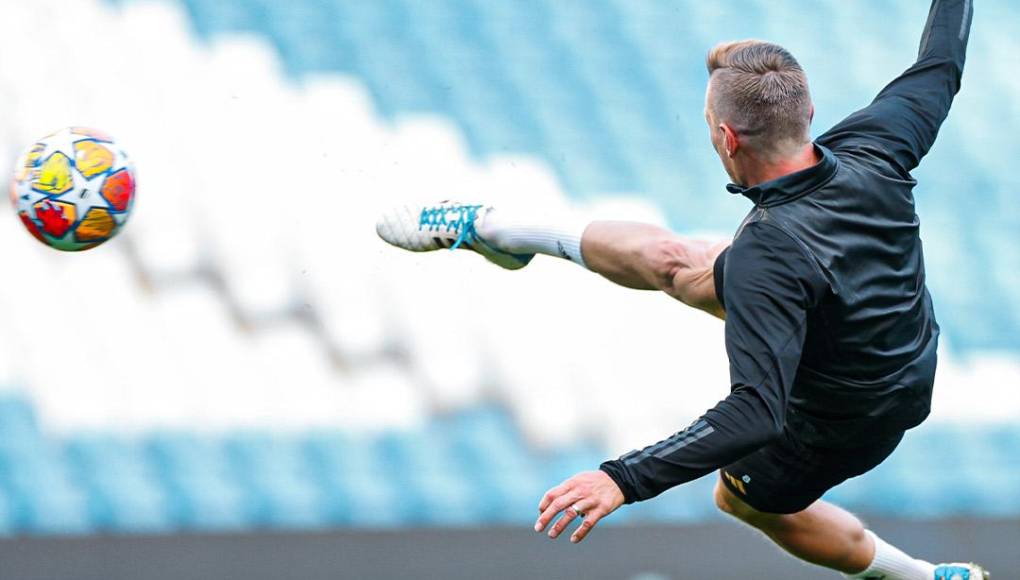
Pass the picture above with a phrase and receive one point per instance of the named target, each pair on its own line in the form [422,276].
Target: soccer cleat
[960,572]
[446,225]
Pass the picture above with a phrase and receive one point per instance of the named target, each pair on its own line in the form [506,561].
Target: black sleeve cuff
[617,472]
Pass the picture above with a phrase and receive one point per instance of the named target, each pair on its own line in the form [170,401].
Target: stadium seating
[248,355]
[609,93]
[468,467]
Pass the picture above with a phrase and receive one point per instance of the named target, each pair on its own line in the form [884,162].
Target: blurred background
[248,383]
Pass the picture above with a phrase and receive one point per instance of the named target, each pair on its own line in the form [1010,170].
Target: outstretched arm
[647,257]
[902,122]
[771,285]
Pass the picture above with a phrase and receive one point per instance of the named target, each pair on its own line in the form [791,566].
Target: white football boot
[445,225]
[960,572]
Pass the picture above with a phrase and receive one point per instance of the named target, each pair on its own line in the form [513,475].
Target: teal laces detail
[436,219]
[952,573]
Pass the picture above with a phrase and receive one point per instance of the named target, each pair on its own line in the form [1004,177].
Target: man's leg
[828,536]
[634,255]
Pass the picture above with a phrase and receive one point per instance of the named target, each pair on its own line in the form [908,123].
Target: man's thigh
[787,476]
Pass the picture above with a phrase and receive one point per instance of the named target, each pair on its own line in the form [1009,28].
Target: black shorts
[787,476]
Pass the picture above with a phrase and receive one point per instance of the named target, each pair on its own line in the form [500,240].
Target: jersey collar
[790,187]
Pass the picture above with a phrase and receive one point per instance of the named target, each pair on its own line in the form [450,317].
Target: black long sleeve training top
[830,330]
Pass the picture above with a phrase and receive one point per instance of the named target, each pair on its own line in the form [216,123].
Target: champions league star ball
[74,189]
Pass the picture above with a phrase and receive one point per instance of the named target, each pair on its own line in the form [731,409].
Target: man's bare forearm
[648,257]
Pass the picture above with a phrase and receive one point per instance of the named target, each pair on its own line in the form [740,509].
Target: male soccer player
[830,330]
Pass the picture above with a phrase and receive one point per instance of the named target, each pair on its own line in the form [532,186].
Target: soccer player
[830,331]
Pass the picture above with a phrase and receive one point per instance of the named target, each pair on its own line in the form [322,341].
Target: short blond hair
[761,91]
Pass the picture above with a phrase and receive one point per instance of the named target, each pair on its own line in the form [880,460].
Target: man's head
[757,105]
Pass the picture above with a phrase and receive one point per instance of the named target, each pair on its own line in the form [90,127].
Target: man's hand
[591,495]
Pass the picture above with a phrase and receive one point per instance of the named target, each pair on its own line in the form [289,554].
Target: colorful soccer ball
[73,189]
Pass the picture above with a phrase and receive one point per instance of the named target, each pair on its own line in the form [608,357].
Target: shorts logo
[738,483]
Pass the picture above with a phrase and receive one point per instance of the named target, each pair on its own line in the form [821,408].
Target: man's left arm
[904,119]
[770,286]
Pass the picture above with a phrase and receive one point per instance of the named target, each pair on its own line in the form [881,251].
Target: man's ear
[811,116]
[731,143]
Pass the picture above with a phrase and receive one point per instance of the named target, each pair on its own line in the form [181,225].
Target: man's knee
[665,257]
[725,500]
[730,504]
[683,269]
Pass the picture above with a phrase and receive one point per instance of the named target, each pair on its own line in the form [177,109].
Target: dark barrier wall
[719,550]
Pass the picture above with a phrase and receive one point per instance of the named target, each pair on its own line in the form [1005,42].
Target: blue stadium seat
[212,18]
[122,489]
[272,470]
[17,418]
[424,467]
[497,462]
[41,495]
[358,488]
[202,491]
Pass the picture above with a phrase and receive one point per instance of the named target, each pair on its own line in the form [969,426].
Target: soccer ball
[74,189]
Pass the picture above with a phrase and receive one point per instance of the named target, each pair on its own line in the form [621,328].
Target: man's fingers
[572,511]
[590,496]
[557,505]
[586,525]
[552,494]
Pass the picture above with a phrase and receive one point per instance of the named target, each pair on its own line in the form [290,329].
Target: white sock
[521,236]
[891,563]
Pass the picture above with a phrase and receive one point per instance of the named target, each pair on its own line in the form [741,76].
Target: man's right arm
[904,119]
[771,285]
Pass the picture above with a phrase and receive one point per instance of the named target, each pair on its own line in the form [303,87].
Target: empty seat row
[468,468]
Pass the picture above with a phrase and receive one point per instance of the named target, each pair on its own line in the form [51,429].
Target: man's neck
[762,172]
